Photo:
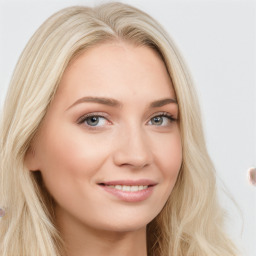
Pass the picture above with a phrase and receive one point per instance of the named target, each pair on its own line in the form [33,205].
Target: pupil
[157,120]
[93,121]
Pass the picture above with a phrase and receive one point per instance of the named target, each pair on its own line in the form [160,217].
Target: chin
[127,223]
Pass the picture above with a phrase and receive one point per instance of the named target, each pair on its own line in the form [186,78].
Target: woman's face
[109,149]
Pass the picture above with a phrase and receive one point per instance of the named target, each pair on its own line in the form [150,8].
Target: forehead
[116,69]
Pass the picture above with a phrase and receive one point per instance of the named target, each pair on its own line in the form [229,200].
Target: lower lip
[128,196]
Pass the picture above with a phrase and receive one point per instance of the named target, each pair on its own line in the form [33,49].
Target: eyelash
[82,119]
[165,114]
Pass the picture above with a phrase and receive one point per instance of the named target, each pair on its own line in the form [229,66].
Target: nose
[133,149]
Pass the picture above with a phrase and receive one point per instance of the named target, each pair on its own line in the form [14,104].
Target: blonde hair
[191,222]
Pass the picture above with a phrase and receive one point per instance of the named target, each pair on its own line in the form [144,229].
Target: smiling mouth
[127,188]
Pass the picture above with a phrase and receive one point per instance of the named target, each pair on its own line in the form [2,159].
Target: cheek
[169,156]
[67,147]
[68,158]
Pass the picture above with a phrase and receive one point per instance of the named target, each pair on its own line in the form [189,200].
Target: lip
[129,196]
[143,182]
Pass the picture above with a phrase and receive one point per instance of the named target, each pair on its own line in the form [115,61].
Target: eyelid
[170,119]
[97,114]
[164,113]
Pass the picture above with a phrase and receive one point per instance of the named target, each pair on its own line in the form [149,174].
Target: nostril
[135,153]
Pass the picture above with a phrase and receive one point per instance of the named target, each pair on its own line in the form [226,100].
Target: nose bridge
[133,147]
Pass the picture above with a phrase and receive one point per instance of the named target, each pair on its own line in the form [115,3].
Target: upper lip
[143,182]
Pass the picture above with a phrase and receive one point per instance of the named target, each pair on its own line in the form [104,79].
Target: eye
[163,119]
[93,120]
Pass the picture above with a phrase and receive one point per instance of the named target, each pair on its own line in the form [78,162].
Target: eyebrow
[100,100]
[160,103]
[115,103]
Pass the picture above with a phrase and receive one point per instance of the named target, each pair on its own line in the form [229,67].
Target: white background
[217,39]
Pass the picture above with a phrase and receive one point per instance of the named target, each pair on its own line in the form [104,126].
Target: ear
[30,160]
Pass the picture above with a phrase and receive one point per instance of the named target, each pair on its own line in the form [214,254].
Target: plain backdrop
[217,40]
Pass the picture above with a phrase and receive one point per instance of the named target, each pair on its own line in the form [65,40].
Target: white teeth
[128,188]
[134,188]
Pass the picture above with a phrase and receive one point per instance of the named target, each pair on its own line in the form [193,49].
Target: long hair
[191,222]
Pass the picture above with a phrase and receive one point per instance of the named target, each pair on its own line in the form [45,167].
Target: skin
[127,143]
